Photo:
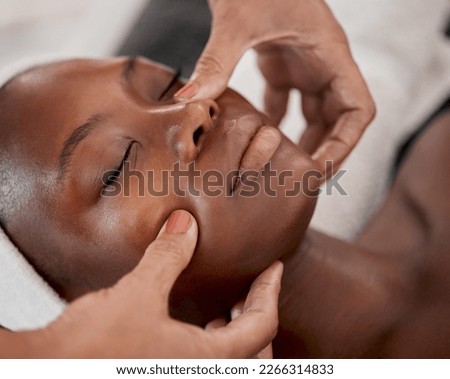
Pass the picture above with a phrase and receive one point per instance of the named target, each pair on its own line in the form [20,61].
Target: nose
[197,122]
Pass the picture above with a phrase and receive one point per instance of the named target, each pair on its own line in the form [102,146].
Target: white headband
[26,300]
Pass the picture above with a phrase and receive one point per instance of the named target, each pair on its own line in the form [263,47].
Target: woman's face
[113,155]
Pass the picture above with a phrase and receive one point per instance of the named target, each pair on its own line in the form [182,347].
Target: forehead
[78,69]
[44,104]
[46,89]
[41,80]
[43,88]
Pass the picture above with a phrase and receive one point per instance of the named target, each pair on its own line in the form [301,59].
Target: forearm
[338,299]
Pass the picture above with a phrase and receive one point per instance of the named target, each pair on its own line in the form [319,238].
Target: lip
[247,124]
[240,137]
[258,151]
[260,148]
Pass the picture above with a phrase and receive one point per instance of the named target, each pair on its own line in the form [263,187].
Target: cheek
[138,222]
[135,221]
[242,235]
[245,237]
[114,249]
[120,234]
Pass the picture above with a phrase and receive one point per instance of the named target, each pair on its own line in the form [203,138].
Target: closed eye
[172,82]
[111,176]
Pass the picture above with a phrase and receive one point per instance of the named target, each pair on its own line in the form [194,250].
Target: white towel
[26,300]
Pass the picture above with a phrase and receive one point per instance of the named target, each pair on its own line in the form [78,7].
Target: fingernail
[279,268]
[235,313]
[179,222]
[188,91]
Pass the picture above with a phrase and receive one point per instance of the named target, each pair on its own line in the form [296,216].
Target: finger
[267,352]
[350,100]
[255,328]
[216,324]
[275,103]
[166,257]
[237,310]
[214,67]
[315,130]
[340,142]
[222,321]
[311,137]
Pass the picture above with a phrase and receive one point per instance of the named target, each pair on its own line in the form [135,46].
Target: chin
[207,290]
[239,238]
[228,258]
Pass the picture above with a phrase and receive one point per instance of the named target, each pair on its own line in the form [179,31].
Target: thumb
[167,256]
[214,67]
[248,333]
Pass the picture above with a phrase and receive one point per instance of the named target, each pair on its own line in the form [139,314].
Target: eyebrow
[78,135]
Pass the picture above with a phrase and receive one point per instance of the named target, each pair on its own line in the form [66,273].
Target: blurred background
[86,27]
[400,46]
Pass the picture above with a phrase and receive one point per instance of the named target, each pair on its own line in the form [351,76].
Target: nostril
[213,109]
[196,137]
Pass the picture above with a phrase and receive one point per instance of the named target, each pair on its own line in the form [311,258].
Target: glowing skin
[82,241]
[384,295]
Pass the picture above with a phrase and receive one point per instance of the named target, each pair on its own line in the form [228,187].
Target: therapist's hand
[300,46]
[131,320]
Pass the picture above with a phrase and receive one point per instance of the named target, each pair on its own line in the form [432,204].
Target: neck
[205,301]
[330,299]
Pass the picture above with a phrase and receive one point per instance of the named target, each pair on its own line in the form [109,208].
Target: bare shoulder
[414,224]
[388,293]
[416,213]
[426,173]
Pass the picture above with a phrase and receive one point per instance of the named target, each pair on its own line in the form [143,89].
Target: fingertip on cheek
[179,221]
